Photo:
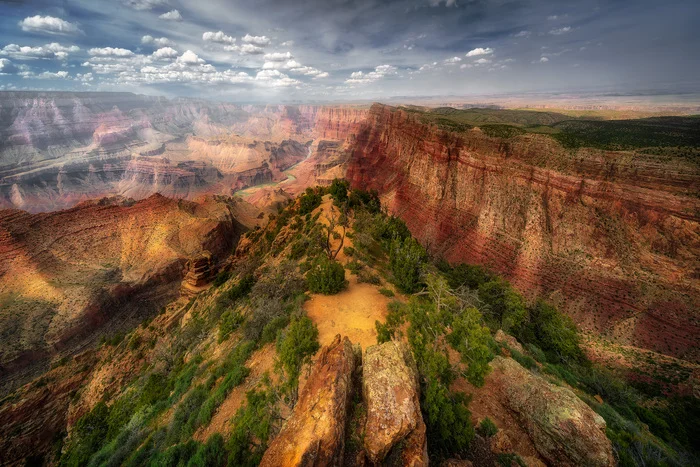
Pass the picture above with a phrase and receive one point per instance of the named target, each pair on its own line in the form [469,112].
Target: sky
[309,50]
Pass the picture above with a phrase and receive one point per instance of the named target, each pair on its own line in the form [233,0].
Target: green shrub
[310,200]
[294,348]
[525,361]
[211,453]
[339,190]
[506,308]
[473,341]
[551,331]
[464,274]
[298,249]
[185,416]
[230,321]
[487,428]
[251,429]
[386,292]
[326,277]
[221,278]
[271,329]
[368,200]
[368,278]
[406,259]
[354,266]
[349,251]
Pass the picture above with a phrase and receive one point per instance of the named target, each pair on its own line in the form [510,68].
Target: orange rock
[315,432]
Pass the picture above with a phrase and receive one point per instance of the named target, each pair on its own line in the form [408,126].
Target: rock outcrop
[564,430]
[314,434]
[611,237]
[390,390]
[73,272]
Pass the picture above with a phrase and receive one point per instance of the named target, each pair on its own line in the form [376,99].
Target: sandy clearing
[351,313]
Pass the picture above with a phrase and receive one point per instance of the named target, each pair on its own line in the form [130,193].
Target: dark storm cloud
[346,48]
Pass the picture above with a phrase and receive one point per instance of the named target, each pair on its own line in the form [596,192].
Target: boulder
[564,430]
[503,338]
[315,432]
[391,393]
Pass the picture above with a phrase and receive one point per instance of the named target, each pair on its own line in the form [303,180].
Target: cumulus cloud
[165,53]
[45,75]
[287,43]
[359,77]
[145,4]
[250,49]
[275,78]
[7,67]
[523,34]
[173,15]
[278,57]
[189,58]
[260,41]
[453,60]
[157,41]
[482,61]
[448,3]
[48,25]
[479,51]
[110,52]
[560,31]
[52,50]
[218,37]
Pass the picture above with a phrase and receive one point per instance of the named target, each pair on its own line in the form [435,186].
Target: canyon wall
[60,148]
[611,237]
[68,277]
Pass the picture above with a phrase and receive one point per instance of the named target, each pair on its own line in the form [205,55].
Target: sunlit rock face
[58,148]
[611,237]
[67,277]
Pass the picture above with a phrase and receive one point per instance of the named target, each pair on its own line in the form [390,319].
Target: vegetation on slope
[443,309]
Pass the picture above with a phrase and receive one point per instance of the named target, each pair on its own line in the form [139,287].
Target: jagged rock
[200,271]
[391,393]
[500,443]
[315,432]
[508,340]
[565,431]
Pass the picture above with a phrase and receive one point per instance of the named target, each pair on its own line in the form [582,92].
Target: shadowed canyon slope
[68,276]
[611,237]
[57,149]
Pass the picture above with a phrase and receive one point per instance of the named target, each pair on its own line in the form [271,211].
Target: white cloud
[448,3]
[482,61]
[542,60]
[278,57]
[260,41]
[110,52]
[52,50]
[84,77]
[249,49]
[359,77]
[479,51]
[275,78]
[48,25]
[158,41]
[523,34]
[7,67]
[218,37]
[552,17]
[189,58]
[45,75]
[287,43]
[144,4]
[173,15]
[453,60]
[165,53]
[560,31]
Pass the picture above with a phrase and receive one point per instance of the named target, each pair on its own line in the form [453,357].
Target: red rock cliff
[611,237]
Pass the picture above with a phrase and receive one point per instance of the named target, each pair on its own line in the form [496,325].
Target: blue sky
[349,49]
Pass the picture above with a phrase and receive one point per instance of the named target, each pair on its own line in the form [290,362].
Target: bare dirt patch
[350,313]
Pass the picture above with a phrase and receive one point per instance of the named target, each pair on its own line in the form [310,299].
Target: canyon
[118,212]
[611,237]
